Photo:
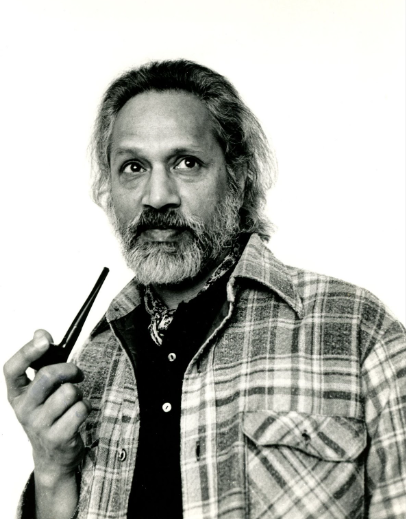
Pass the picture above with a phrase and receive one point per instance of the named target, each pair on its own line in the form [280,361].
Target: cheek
[202,202]
[125,205]
[217,191]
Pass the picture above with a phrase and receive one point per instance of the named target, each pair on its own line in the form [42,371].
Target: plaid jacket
[294,407]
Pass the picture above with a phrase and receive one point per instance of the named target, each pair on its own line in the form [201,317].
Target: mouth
[160,234]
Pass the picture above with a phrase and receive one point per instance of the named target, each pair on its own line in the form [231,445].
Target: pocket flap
[334,438]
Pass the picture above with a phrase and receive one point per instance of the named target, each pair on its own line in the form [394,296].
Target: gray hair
[250,161]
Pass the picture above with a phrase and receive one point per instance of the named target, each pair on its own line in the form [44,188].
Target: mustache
[152,219]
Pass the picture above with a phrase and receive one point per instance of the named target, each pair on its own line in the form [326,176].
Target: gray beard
[168,263]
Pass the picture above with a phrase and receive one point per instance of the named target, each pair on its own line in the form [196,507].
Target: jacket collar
[259,264]
[125,302]
[256,263]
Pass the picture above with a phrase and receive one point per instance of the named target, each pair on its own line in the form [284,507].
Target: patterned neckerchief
[162,316]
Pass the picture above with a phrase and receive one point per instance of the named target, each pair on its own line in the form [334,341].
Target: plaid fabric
[293,408]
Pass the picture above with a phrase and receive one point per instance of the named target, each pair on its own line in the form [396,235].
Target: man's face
[169,186]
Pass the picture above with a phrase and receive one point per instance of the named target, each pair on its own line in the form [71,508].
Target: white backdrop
[326,79]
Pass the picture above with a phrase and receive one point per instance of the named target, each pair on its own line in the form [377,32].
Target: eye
[131,168]
[188,163]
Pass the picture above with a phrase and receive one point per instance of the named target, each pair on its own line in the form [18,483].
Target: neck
[173,295]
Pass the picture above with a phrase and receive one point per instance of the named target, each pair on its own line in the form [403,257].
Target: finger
[40,335]
[15,368]
[67,426]
[47,380]
[59,402]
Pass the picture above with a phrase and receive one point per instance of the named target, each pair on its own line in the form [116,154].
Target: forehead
[164,116]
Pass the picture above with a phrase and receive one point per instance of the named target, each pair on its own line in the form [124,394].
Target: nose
[160,190]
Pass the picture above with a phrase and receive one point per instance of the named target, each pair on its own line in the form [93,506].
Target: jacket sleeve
[26,505]
[384,388]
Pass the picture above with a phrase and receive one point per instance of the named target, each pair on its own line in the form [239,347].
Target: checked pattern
[293,408]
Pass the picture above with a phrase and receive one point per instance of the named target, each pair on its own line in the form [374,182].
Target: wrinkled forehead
[165,110]
[158,115]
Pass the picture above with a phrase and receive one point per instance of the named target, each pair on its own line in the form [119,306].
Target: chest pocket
[300,465]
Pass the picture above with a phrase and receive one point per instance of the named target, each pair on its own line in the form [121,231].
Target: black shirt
[157,489]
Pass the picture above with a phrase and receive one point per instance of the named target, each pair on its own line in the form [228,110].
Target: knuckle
[52,440]
[6,369]
[24,420]
[26,354]
[43,375]
[47,371]
[58,439]
[47,376]
[34,427]
[20,412]
[70,392]
[11,400]
[81,411]
[60,373]
[43,383]
[76,441]
[38,425]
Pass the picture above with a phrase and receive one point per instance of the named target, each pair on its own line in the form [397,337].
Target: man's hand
[51,409]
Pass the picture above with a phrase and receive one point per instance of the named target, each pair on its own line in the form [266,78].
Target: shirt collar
[256,263]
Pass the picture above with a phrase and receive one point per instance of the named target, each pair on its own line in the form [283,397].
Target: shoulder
[317,299]
[335,297]
[343,309]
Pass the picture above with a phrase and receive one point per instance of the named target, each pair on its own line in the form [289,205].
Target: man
[221,383]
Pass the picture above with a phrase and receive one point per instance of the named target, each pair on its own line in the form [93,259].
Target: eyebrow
[126,150]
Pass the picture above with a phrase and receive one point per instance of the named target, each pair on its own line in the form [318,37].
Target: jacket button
[122,455]
[166,407]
